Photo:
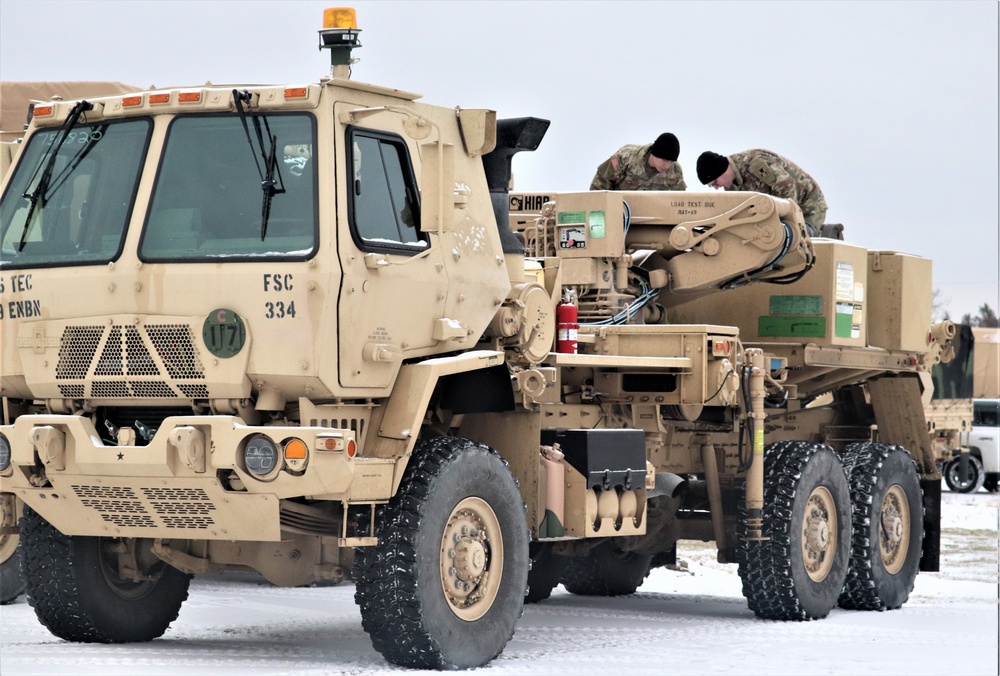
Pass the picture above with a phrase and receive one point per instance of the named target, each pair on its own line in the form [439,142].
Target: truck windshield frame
[81,217]
[206,201]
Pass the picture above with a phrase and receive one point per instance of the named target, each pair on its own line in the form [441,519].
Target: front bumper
[190,482]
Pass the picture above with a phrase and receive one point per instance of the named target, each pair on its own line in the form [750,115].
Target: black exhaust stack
[513,135]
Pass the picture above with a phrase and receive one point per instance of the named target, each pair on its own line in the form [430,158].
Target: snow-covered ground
[686,622]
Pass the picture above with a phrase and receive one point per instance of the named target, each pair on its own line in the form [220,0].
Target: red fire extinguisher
[568,328]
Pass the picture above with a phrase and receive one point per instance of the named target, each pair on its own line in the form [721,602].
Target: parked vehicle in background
[984,451]
[961,417]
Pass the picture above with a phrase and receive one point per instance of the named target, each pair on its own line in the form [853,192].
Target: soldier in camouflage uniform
[761,170]
[649,167]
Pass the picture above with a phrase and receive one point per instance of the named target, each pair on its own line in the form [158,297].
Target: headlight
[261,457]
[4,453]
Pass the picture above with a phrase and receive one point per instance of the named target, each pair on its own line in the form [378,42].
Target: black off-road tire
[798,571]
[546,569]
[11,579]
[74,587]
[991,483]
[450,483]
[887,532]
[964,484]
[606,571]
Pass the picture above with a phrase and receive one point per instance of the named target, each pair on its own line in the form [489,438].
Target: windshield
[83,194]
[207,201]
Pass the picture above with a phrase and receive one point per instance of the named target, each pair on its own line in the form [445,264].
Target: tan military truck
[962,416]
[287,328]
[17,99]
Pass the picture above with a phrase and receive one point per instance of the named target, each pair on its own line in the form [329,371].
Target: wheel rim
[819,534]
[471,559]
[956,477]
[894,529]
[130,590]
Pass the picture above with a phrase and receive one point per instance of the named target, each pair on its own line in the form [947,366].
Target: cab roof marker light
[340,35]
[41,111]
[129,101]
[295,92]
[189,97]
[159,98]
[340,17]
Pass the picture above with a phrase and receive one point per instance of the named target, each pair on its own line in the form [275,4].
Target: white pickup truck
[981,465]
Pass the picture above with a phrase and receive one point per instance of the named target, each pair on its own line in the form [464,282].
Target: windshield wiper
[268,183]
[39,194]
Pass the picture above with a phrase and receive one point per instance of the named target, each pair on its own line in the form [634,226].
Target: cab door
[394,282]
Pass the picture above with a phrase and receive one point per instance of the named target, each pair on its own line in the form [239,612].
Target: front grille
[154,361]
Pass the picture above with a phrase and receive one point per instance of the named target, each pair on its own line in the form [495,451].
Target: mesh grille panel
[79,343]
[139,361]
[175,346]
[152,389]
[194,391]
[110,361]
[71,391]
[108,390]
[158,353]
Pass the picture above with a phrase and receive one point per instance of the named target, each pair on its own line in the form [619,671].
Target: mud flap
[899,413]
[930,559]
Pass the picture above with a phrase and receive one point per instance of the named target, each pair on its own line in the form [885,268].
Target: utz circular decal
[224,333]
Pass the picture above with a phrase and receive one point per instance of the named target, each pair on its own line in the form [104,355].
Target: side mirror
[479,130]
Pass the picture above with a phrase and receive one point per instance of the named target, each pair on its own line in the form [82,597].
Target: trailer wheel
[11,579]
[797,571]
[445,585]
[546,569]
[75,586]
[991,483]
[606,571]
[961,480]
[887,533]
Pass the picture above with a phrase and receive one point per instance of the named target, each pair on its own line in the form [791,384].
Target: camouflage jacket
[763,171]
[628,169]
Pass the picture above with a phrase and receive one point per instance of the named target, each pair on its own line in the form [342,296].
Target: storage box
[899,301]
[825,307]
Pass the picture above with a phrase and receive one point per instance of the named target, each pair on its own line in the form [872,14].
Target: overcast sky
[891,106]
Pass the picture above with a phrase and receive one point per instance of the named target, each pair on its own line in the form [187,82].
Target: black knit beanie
[711,166]
[666,147]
